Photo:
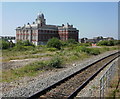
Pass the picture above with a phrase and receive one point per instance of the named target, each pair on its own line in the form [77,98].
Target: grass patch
[31,51]
[27,56]
[65,55]
[13,54]
[52,49]
[31,69]
[28,70]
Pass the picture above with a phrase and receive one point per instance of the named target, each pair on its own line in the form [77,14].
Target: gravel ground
[30,86]
[93,88]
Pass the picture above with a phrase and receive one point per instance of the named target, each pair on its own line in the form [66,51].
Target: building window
[17,36]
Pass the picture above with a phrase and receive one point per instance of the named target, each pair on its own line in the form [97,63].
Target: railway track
[70,86]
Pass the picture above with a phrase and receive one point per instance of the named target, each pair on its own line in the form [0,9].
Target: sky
[92,19]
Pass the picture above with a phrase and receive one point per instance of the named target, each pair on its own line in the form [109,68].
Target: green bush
[117,42]
[94,51]
[23,46]
[55,62]
[27,43]
[108,43]
[91,51]
[19,43]
[111,43]
[64,43]
[102,43]
[24,43]
[55,43]
[81,49]
[71,41]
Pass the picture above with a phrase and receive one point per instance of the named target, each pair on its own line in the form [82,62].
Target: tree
[105,43]
[111,43]
[11,44]
[19,43]
[71,41]
[27,43]
[55,43]
[24,43]
[116,42]
[4,44]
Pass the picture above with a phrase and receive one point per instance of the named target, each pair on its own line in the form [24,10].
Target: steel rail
[38,94]
[72,95]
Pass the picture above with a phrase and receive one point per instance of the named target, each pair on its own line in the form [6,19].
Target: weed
[51,49]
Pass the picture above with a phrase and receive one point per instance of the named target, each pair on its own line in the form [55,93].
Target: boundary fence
[106,78]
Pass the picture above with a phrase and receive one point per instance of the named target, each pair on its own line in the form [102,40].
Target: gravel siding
[40,84]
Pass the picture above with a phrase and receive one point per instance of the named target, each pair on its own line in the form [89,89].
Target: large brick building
[39,32]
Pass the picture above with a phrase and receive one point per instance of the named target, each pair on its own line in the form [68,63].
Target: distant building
[39,32]
[7,37]
[91,41]
[83,40]
[108,38]
[95,39]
